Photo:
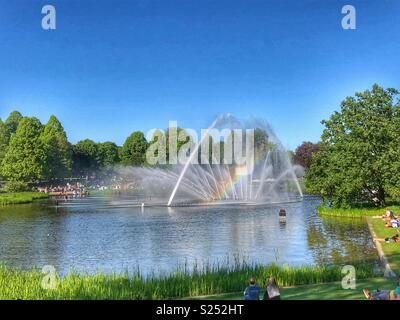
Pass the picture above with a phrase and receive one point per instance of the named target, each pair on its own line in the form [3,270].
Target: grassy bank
[210,280]
[354,213]
[391,249]
[20,197]
[326,291]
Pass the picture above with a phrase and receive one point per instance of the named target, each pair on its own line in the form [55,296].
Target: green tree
[58,150]
[84,156]
[25,159]
[134,149]
[4,139]
[12,122]
[359,157]
[107,154]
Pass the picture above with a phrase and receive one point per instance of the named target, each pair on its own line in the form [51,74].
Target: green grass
[20,197]
[209,280]
[392,249]
[355,212]
[326,291]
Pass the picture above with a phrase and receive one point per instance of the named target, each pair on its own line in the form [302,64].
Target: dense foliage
[359,160]
[31,152]
[304,153]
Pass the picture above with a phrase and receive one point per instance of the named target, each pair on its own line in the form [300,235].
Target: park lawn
[20,197]
[326,291]
[391,250]
[380,230]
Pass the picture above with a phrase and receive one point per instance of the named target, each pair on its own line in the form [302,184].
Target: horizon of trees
[357,160]
[32,152]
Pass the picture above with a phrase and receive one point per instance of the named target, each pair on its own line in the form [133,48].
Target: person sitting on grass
[272,292]
[388,216]
[252,292]
[395,238]
[394,223]
[384,294]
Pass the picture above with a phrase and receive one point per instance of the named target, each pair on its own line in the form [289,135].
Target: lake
[114,235]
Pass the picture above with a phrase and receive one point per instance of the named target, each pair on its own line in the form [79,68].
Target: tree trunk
[381,197]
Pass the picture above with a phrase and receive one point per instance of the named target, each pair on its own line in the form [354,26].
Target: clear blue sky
[113,67]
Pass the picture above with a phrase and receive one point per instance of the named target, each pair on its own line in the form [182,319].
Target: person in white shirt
[272,292]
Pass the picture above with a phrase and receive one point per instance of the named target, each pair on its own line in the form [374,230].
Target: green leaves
[4,138]
[58,150]
[25,159]
[85,158]
[359,158]
[133,151]
[107,154]
[12,122]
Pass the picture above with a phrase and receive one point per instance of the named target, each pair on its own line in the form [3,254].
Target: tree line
[31,151]
[34,152]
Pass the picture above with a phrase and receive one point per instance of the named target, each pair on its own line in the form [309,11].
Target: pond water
[112,235]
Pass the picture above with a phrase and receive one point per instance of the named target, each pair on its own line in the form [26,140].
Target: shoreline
[15,198]
[388,272]
[211,280]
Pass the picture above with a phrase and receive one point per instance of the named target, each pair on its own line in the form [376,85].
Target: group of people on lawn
[253,291]
[390,222]
[384,294]
[272,292]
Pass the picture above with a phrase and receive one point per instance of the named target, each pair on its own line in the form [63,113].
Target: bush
[15,186]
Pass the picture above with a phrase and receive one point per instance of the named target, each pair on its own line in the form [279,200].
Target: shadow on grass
[327,291]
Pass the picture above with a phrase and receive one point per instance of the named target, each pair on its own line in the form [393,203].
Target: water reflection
[347,236]
[111,235]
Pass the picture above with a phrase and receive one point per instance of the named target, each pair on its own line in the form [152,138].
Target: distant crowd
[74,189]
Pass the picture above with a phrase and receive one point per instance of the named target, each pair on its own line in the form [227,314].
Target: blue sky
[112,67]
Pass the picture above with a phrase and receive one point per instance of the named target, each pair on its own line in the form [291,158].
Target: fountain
[264,175]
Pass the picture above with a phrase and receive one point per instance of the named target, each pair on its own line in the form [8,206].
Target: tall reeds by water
[207,279]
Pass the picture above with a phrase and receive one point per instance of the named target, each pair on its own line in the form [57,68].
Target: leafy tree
[58,150]
[84,156]
[134,149]
[12,122]
[25,159]
[359,156]
[4,139]
[107,154]
[304,152]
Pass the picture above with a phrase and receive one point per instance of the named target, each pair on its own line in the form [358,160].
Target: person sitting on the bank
[394,223]
[389,215]
[252,292]
[384,294]
[395,238]
[272,292]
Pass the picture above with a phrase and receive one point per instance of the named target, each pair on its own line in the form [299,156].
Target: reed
[207,279]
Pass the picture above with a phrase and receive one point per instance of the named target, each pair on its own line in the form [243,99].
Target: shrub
[15,186]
